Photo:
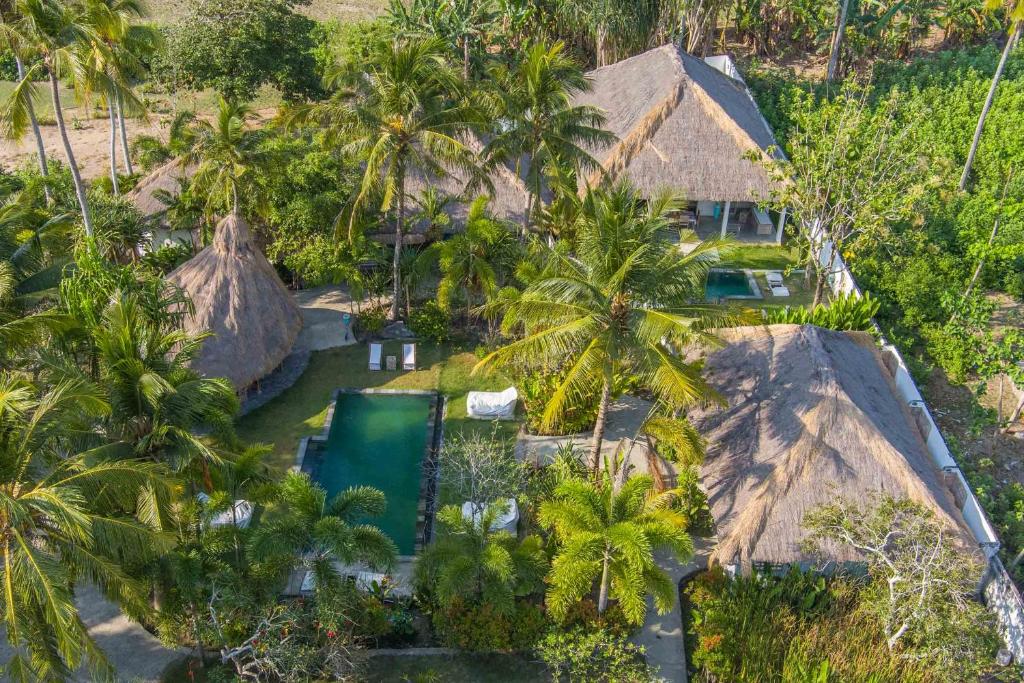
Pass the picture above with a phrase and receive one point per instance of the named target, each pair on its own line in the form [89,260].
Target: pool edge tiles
[312,450]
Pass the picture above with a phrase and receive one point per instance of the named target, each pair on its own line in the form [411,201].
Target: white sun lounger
[780,291]
[774,278]
[242,513]
[491,405]
[503,522]
[408,356]
[375,353]
[364,580]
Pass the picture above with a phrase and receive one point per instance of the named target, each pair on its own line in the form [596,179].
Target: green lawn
[758,257]
[800,294]
[301,409]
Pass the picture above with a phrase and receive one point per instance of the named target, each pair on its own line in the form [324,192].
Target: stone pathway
[323,325]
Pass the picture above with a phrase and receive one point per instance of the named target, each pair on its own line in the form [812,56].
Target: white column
[782,226]
[725,218]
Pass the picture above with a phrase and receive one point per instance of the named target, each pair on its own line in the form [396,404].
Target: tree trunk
[837,41]
[113,150]
[124,137]
[988,105]
[396,274]
[465,58]
[606,579]
[76,177]
[600,37]
[599,425]
[819,287]
[36,133]
[999,418]
[981,263]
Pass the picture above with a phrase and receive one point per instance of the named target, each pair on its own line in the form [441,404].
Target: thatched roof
[239,297]
[681,124]
[812,416]
[167,178]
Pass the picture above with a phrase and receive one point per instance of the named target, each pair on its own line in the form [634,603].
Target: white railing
[1001,595]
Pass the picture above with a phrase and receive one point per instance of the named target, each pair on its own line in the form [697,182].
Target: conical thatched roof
[812,416]
[167,178]
[240,299]
[681,124]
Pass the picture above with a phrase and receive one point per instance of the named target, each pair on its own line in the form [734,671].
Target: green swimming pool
[727,283]
[379,440]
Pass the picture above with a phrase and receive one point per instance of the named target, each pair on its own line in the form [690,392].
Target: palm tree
[61,526]
[228,155]
[540,123]
[460,23]
[61,40]
[403,112]
[472,261]
[1016,15]
[473,563]
[303,527]
[610,535]
[622,304]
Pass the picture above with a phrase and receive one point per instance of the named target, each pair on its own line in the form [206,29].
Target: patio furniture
[376,350]
[240,517]
[492,405]
[780,290]
[507,521]
[774,278]
[764,222]
[391,363]
[408,356]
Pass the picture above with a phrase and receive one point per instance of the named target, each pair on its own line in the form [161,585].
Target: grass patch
[800,294]
[761,257]
[300,411]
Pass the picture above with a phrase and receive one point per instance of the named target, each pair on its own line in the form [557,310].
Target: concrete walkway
[323,325]
[134,652]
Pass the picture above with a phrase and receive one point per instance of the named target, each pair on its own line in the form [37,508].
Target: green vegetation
[461,668]
[762,258]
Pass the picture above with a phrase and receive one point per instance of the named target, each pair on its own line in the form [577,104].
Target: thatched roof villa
[812,416]
[146,197]
[240,299]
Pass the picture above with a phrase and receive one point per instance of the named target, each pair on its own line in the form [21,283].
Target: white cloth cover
[408,356]
[243,513]
[490,405]
[375,352]
[505,522]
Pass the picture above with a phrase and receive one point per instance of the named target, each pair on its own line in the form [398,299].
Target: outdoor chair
[774,278]
[375,353]
[408,356]
[780,290]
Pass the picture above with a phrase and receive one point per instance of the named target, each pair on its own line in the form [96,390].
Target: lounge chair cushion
[780,290]
[490,405]
[774,278]
[408,356]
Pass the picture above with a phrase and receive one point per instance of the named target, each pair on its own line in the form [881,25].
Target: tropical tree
[472,261]
[61,42]
[609,533]
[403,112]
[228,157]
[303,527]
[66,521]
[462,24]
[473,563]
[541,125]
[1016,16]
[621,304]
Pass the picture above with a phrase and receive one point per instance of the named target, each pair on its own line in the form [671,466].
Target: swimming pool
[733,284]
[386,440]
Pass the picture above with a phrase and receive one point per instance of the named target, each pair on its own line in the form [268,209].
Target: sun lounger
[780,291]
[241,516]
[490,405]
[375,352]
[408,356]
[507,521]
[774,278]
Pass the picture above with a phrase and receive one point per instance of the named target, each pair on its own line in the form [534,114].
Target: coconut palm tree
[405,111]
[474,563]
[472,261]
[621,304]
[1016,16]
[228,155]
[540,122]
[63,525]
[303,527]
[610,534]
[62,42]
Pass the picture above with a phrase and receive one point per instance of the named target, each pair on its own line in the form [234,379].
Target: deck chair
[376,350]
[408,356]
[780,291]
[774,278]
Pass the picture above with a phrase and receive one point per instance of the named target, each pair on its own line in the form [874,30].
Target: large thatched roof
[681,124]
[812,415]
[239,297]
[167,178]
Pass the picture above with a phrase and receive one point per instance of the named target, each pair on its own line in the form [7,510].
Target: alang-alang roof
[681,124]
[812,416]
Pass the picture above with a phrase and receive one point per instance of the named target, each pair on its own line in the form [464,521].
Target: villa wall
[1000,593]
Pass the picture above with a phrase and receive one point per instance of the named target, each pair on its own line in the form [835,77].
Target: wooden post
[725,218]
[781,227]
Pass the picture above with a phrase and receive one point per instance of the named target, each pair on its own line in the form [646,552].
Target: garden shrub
[486,629]
[846,312]
[431,322]
[535,390]
[371,321]
[598,656]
